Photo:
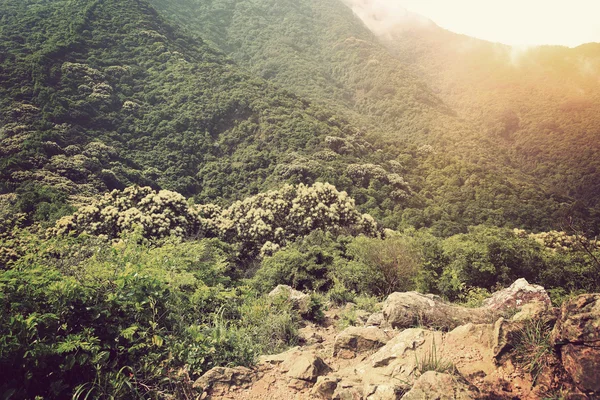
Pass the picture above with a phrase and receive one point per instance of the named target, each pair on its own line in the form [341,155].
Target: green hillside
[321,50]
[124,98]
[539,105]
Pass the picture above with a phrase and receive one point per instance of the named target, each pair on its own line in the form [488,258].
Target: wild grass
[533,345]
[431,361]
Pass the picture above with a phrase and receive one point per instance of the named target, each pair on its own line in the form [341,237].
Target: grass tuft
[533,345]
[432,362]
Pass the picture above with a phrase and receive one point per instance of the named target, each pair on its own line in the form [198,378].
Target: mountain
[539,105]
[221,99]
[173,173]
[323,51]
[111,95]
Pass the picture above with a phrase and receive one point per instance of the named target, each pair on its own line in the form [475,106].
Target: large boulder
[577,336]
[300,301]
[359,339]
[435,386]
[410,309]
[516,295]
[220,378]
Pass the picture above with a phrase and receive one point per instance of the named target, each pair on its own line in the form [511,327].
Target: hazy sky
[515,22]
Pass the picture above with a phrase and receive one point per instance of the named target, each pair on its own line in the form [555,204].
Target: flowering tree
[259,224]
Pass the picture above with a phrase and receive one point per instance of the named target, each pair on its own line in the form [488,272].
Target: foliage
[120,319]
[158,214]
[379,266]
[533,345]
[488,258]
[263,222]
[96,104]
[304,265]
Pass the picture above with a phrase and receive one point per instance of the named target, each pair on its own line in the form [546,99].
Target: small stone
[360,339]
[307,367]
[325,387]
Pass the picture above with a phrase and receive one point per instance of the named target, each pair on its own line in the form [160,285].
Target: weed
[432,362]
[533,345]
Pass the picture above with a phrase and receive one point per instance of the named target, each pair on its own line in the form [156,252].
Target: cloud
[383,17]
[512,22]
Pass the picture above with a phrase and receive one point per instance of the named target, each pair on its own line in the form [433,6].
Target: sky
[514,22]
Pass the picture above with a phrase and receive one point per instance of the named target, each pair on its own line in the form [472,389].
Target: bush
[127,319]
[379,266]
[305,265]
[259,225]
[340,295]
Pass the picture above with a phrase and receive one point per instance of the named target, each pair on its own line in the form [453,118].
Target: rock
[386,392]
[583,364]
[276,359]
[405,341]
[435,386]
[517,295]
[531,311]
[505,334]
[411,309]
[360,339]
[298,384]
[362,316]
[375,320]
[307,335]
[220,378]
[577,336]
[469,349]
[306,367]
[325,387]
[300,301]
[347,393]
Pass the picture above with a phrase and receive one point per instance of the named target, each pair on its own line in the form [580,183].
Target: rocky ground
[516,346]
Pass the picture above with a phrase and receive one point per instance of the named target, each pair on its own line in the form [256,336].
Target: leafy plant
[431,361]
[533,345]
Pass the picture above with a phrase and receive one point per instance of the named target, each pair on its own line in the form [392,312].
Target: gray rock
[300,301]
[360,339]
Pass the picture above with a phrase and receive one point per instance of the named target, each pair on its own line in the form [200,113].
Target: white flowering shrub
[260,224]
[158,214]
[272,219]
[560,241]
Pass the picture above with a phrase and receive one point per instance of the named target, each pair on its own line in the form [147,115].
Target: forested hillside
[539,105]
[323,51]
[126,99]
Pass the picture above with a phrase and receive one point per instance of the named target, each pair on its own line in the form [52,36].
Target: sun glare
[514,22]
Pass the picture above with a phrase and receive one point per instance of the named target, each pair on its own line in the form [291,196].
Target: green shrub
[368,303]
[379,266]
[127,319]
[304,265]
[340,295]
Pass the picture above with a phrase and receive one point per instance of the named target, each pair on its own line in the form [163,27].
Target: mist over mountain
[539,103]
